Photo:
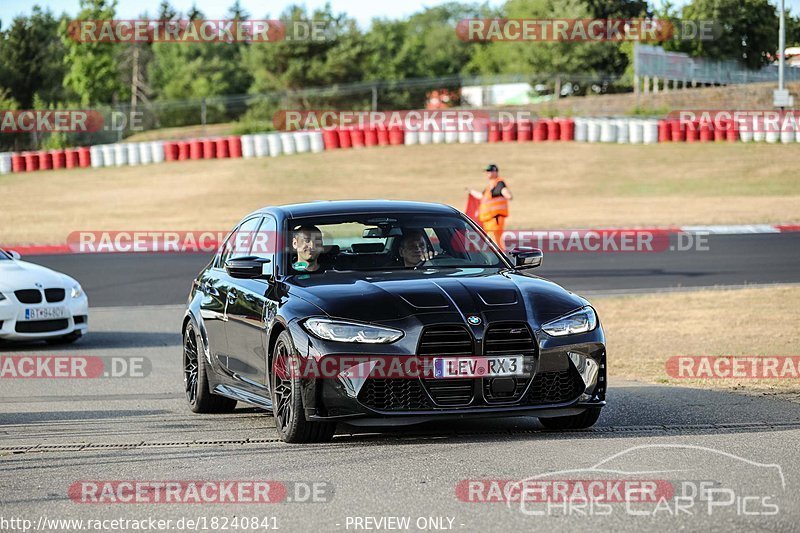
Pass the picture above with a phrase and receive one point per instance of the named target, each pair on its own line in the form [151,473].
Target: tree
[32,58]
[92,70]
[749,31]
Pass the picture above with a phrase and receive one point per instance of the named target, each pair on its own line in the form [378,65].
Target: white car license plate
[477,367]
[45,313]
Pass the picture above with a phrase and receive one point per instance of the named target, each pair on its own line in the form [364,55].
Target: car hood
[385,297]
[16,275]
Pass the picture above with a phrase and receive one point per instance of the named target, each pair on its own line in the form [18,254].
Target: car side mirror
[525,258]
[13,254]
[249,267]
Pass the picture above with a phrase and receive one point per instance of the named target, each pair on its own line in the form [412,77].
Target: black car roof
[347,207]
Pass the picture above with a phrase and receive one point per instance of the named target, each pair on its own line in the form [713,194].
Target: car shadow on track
[634,409]
[99,340]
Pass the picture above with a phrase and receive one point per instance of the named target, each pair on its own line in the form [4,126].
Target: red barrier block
[183,150]
[345,141]
[396,135]
[209,149]
[383,135]
[357,137]
[371,137]
[664,131]
[331,139]
[59,158]
[17,163]
[553,130]
[222,149]
[31,161]
[84,157]
[524,131]
[71,158]
[720,132]
[196,149]
[235,146]
[692,131]
[508,131]
[706,133]
[567,129]
[494,132]
[540,131]
[170,151]
[45,160]
[732,131]
[676,131]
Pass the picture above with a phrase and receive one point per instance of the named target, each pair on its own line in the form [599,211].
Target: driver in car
[308,245]
[413,248]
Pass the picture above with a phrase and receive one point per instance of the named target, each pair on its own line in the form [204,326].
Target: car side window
[265,242]
[240,241]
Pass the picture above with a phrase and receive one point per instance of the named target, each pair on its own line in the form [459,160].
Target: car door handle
[232,295]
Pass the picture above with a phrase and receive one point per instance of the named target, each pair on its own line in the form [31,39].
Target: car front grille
[448,341]
[42,326]
[394,395]
[510,338]
[54,295]
[29,296]
[554,387]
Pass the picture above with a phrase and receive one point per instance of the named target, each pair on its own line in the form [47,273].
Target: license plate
[45,313]
[477,367]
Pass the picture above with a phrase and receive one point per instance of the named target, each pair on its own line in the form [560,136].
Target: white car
[37,303]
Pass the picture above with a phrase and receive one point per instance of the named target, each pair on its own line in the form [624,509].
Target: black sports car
[385,313]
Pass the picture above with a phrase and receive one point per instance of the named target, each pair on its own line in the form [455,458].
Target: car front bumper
[13,325]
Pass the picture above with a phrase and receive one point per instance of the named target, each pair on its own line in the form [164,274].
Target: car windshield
[387,242]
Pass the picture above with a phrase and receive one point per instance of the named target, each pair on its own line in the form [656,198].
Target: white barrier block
[317,141]
[261,141]
[411,137]
[301,142]
[465,137]
[157,151]
[437,136]
[425,137]
[593,130]
[133,154]
[451,137]
[788,129]
[145,153]
[248,146]
[5,163]
[650,131]
[287,143]
[96,156]
[622,130]
[635,131]
[581,130]
[120,154]
[108,154]
[608,131]
[276,144]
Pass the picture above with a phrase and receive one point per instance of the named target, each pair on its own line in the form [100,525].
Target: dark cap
[492,168]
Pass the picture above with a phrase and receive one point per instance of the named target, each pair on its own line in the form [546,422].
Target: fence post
[203,112]
[374,97]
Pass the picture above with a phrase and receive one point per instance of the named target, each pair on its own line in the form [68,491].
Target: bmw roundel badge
[474,320]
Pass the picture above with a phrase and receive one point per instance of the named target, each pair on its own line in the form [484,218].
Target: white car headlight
[343,331]
[579,321]
[77,291]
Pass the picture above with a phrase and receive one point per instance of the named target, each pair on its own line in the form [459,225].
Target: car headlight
[77,291]
[343,331]
[579,321]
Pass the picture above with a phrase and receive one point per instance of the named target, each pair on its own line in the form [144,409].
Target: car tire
[65,339]
[582,421]
[195,380]
[287,405]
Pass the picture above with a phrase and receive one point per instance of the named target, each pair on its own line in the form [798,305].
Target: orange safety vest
[492,207]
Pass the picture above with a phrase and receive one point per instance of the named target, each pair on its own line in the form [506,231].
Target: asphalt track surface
[733,458]
[162,279]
